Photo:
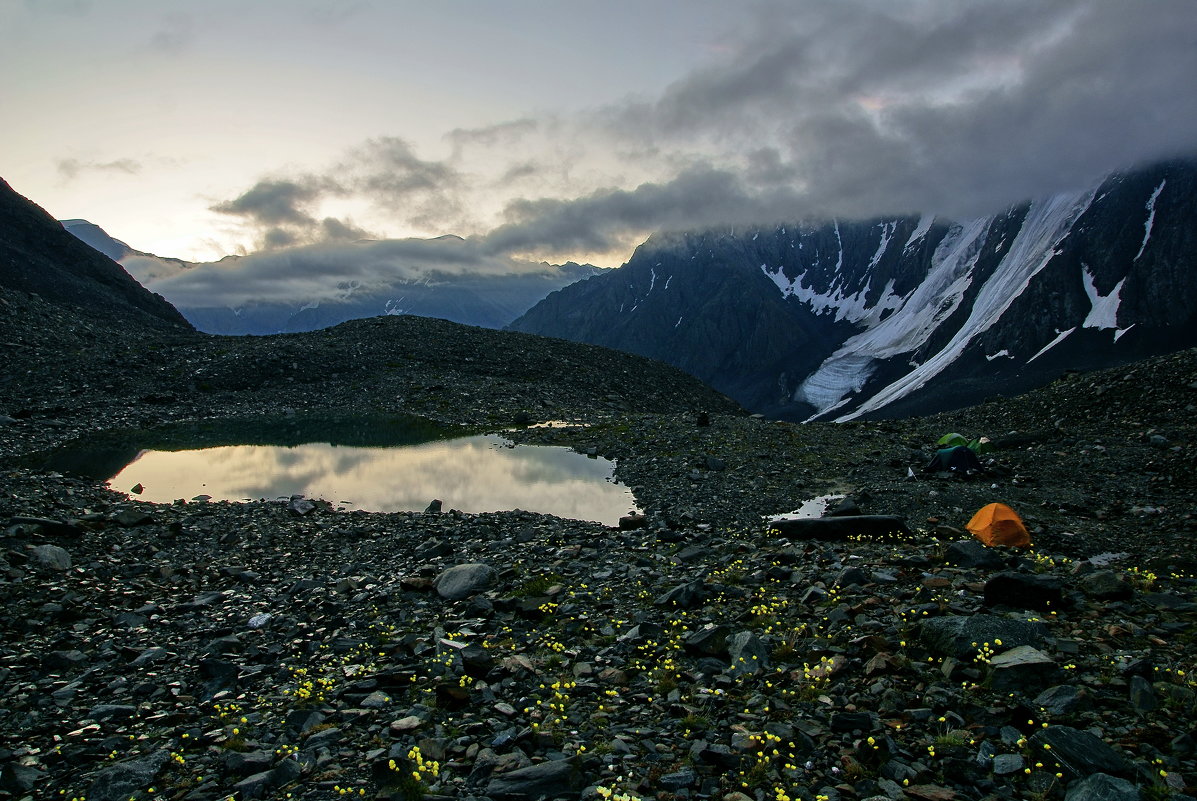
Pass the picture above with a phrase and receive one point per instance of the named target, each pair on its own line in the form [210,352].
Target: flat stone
[558,779]
[974,555]
[462,581]
[1079,753]
[1007,764]
[1021,669]
[1107,585]
[1101,787]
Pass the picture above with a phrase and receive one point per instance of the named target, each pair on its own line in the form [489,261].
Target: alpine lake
[382,463]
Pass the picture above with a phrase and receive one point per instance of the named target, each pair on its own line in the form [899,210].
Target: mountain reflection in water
[383,464]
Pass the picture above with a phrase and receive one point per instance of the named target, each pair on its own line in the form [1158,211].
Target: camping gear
[960,459]
[952,440]
[998,524]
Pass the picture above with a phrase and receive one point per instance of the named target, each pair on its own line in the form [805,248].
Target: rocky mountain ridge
[906,315]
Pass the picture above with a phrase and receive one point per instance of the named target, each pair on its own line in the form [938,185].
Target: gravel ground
[209,650]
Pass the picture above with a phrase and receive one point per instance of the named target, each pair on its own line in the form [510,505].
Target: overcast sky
[571,130]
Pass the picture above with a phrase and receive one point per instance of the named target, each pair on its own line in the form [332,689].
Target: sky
[549,130]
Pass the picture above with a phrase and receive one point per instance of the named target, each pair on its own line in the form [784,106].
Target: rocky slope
[215,650]
[38,257]
[897,316]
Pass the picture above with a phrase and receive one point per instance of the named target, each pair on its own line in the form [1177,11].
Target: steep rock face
[906,315]
[39,257]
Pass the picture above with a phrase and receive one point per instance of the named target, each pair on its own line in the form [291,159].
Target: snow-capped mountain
[886,317]
[255,294]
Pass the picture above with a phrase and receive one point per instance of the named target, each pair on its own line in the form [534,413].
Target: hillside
[39,257]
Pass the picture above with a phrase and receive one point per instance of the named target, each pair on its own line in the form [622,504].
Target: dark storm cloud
[71,168]
[962,108]
[698,197]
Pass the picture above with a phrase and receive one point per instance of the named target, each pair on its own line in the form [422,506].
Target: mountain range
[399,280]
[888,317]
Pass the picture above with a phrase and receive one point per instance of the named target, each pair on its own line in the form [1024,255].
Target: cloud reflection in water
[474,474]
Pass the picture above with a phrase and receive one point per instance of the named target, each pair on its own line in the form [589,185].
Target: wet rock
[17,778]
[133,517]
[1142,696]
[684,596]
[1059,700]
[462,581]
[434,507]
[47,527]
[710,640]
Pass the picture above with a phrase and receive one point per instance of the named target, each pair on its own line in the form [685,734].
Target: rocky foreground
[269,650]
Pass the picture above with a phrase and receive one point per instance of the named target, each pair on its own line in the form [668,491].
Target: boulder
[560,779]
[462,581]
[1021,669]
[1078,753]
[962,637]
[1025,591]
[1101,787]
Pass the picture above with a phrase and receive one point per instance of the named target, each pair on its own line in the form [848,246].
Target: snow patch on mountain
[911,324]
[1060,337]
[1045,226]
[1150,218]
[919,232]
[1104,308]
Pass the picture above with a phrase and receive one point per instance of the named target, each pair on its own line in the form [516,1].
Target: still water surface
[384,469]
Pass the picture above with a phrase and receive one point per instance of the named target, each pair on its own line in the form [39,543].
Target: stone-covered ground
[215,650]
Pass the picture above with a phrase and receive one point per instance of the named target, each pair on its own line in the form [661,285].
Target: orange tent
[998,524]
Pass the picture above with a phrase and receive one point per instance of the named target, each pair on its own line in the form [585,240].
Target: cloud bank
[325,272]
[849,108]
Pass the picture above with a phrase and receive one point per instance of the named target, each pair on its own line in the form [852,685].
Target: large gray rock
[955,635]
[462,581]
[51,557]
[747,653]
[974,554]
[548,779]
[1101,787]
[1021,669]
[127,779]
[1078,753]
